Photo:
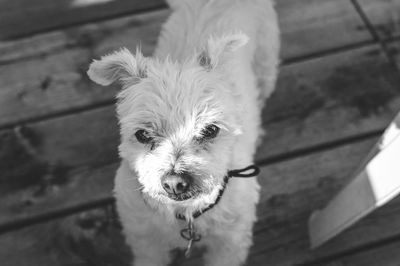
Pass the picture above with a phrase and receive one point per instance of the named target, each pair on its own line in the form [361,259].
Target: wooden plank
[290,190]
[318,101]
[304,26]
[45,75]
[329,98]
[140,27]
[46,150]
[384,16]
[52,78]
[67,242]
[375,250]
[387,255]
[82,186]
[21,18]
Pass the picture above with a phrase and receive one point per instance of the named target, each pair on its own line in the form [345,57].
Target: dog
[190,118]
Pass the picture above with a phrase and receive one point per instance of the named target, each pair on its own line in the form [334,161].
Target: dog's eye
[143,136]
[210,131]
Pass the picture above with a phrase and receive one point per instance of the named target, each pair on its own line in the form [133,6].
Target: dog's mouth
[183,196]
[176,193]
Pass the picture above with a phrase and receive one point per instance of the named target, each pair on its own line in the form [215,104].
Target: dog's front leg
[230,249]
[148,250]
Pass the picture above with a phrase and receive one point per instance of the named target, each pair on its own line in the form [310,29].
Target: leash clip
[190,235]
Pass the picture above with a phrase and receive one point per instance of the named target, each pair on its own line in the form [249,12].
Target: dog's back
[194,21]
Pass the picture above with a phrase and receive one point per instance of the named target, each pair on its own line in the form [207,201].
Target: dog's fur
[215,63]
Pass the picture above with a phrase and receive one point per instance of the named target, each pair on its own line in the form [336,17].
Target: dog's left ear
[218,49]
[121,66]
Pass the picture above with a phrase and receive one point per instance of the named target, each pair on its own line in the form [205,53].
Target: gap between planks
[155,7]
[328,52]
[57,114]
[352,251]
[374,33]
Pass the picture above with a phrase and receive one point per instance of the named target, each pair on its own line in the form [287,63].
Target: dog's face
[178,120]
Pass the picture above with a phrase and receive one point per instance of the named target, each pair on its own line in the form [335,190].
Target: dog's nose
[176,184]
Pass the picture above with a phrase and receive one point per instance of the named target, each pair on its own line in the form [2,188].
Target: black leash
[189,233]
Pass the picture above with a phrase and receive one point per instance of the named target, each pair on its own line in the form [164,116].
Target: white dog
[189,118]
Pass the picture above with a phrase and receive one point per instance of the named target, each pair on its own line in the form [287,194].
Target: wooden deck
[339,87]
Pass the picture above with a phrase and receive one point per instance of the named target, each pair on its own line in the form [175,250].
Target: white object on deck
[376,182]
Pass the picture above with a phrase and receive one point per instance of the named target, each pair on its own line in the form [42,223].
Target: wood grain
[21,18]
[384,17]
[52,79]
[67,242]
[387,255]
[45,75]
[330,98]
[315,26]
[45,151]
[82,186]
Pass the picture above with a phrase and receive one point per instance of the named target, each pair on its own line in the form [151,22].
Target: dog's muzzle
[179,186]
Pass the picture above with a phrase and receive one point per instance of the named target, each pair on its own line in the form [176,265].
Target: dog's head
[178,119]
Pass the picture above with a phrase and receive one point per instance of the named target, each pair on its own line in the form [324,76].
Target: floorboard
[384,16]
[20,18]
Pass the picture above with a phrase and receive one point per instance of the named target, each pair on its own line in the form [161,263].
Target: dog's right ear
[121,66]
